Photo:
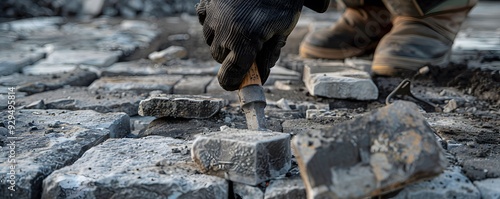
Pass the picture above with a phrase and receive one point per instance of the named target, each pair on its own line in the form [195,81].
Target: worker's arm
[241,31]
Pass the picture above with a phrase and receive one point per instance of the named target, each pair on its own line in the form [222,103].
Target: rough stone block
[32,24]
[489,188]
[244,191]
[379,152]
[47,140]
[192,85]
[151,167]
[286,188]
[85,57]
[450,184]
[78,98]
[334,80]
[139,84]
[181,106]
[244,156]
[43,68]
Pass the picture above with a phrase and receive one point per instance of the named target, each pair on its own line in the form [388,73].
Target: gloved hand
[241,31]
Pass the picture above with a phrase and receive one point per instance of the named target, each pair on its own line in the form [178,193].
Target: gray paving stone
[86,57]
[189,68]
[243,156]
[334,80]
[35,84]
[192,85]
[134,68]
[489,188]
[151,167]
[79,98]
[244,191]
[47,140]
[181,106]
[12,62]
[286,188]
[138,84]
[450,184]
[378,152]
[47,69]
[32,24]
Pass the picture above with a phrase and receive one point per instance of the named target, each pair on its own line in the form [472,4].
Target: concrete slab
[379,152]
[12,62]
[138,84]
[46,140]
[79,98]
[86,57]
[134,68]
[334,80]
[36,84]
[243,156]
[151,167]
[181,106]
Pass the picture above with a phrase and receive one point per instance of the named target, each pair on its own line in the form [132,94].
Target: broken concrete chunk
[489,188]
[286,188]
[334,80]
[181,106]
[244,156]
[450,184]
[47,140]
[379,152]
[192,85]
[151,167]
[244,191]
[172,52]
[138,84]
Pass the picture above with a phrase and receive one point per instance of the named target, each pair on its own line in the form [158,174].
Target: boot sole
[314,52]
[395,66]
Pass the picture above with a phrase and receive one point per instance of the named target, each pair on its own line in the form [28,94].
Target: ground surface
[470,131]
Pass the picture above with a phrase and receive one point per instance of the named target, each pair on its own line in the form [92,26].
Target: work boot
[357,32]
[423,33]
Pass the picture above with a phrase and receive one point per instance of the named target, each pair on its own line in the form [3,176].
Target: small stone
[181,106]
[334,80]
[243,156]
[138,84]
[138,123]
[192,85]
[244,191]
[289,188]
[47,140]
[378,152]
[489,188]
[283,104]
[85,57]
[150,167]
[170,53]
[450,184]
[450,106]
[283,85]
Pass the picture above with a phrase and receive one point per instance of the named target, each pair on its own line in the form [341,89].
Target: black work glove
[241,31]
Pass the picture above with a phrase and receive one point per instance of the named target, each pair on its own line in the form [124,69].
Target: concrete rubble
[96,118]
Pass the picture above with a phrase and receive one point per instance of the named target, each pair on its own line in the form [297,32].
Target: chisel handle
[252,77]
